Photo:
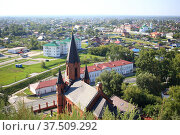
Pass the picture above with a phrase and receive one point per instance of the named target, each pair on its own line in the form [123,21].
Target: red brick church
[76,91]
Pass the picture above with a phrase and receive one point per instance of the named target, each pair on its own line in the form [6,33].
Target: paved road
[130,80]
[10,61]
[32,76]
[30,54]
[42,101]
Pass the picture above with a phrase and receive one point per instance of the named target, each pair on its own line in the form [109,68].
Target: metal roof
[73,56]
[81,94]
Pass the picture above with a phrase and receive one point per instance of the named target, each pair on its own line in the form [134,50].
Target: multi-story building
[144,28]
[123,28]
[59,47]
[122,67]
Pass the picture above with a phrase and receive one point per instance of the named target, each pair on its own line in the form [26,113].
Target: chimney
[99,86]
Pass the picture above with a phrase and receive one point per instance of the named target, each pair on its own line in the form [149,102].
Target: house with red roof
[155,34]
[43,87]
[121,66]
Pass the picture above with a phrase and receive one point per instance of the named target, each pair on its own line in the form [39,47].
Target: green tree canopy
[111,82]
[139,97]
[150,82]
[159,62]
[171,106]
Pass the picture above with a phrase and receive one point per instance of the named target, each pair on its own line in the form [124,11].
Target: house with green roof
[57,48]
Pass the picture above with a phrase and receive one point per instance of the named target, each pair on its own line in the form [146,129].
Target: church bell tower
[73,62]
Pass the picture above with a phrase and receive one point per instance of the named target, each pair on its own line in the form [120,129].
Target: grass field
[21,94]
[28,92]
[10,74]
[37,50]
[90,57]
[42,56]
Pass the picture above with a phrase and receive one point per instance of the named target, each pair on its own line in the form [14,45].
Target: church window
[76,73]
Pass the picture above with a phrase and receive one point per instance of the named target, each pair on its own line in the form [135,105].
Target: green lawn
[28,92]
[21,94]
[90,57]
[37,50]
[10,74]
[42,56]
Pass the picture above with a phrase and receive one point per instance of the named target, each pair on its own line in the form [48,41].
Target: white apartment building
[59,47]
[122,67]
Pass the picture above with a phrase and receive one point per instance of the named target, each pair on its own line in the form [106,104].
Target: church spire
[73,56]
[60,80]
[86,76]
[60,93]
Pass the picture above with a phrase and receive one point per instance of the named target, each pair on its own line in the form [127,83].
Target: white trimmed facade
[93,73]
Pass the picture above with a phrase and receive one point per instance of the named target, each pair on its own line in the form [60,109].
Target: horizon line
[90,15]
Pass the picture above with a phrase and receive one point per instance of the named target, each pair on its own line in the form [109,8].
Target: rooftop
[44,84]
[73,56]
[121,104]
[81,94]
[51,44]
[97,67]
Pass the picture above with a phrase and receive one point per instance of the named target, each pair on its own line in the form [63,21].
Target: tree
[177,35]
[119,52]
[111,82]
[150,82]
[176,69]
[160,63]
[43,64]
[139,97]
[170,108]
[152,110]
[146,62]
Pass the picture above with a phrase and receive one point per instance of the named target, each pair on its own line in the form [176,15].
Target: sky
[89,7]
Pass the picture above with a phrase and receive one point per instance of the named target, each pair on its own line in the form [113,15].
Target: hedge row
[14,88]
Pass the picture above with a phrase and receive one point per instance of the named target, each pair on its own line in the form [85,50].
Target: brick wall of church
[70,70]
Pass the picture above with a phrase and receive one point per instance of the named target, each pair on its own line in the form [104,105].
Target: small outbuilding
[44,87]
